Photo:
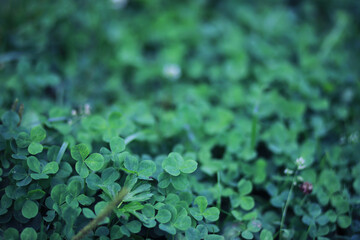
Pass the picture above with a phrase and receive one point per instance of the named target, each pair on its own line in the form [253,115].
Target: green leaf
[88,213]
[147,168]
[74,188]
[131,163]
[183,223]
[247,203]
[29,209]
[23,140]
[148,210]
[35,194]
[35,148]
[95,161]
[34,164]
[163,216]
[171,164]
[58,194]
[266,235]
[213,237]
[117,144]
[254,226]
[344,221]
[133,226]
[28,234]
[168,228]
[245,187]
[164,180]
[180,182]
[314,210]
[247,234]
[37,134]
[189,166]
[11,234]
[115,232]
[212,214]
[51,168]
[85,200]
[10,119]
[80,152]
[81,169]
[202,203]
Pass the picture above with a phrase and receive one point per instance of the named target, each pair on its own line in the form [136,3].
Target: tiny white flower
[73,112]
[172,71]
[87,109]
[300,162]
[288,171]
[119,3]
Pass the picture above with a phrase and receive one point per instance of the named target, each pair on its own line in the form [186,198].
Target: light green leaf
[247,234]
[344,221]
[266,235]
[117,144]
[163,216]
[147,168]
[28,234]
[34,164]
[95,161]
[212,214]
[37,134]
[188,166]
[247,203]
[80,152]
[131,163]
[245,187]
[202,203]
[180,182]
[172,162]
[183,223]
[81,169]
[35,148]
[29,209]
[51,168]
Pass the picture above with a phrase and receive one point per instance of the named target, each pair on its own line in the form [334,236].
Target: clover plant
[179,120]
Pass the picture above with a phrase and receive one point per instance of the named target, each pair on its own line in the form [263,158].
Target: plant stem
[104,213]
[286,205]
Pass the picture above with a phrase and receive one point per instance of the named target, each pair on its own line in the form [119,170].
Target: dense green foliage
[224,119]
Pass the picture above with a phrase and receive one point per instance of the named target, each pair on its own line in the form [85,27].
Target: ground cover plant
[179,119]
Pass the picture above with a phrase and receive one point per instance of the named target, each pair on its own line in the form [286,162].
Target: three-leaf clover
[242,199]
[32,141]
[40,169]
[176,170]
[81,153]
[210,214]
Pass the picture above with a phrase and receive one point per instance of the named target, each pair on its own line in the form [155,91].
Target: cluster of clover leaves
[54,191]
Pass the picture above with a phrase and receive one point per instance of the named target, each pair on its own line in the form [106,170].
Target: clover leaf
[81,153]
[210,214]
[41,169]
[174,164]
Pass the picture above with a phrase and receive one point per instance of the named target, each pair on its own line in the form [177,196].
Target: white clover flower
[172,71]
[87,109]
[288,171]
[119,3]
[300,162]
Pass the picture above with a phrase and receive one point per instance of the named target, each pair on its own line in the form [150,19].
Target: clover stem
[287,204]
[103,214]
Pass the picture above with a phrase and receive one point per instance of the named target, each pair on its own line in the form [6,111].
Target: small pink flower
[306,187]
